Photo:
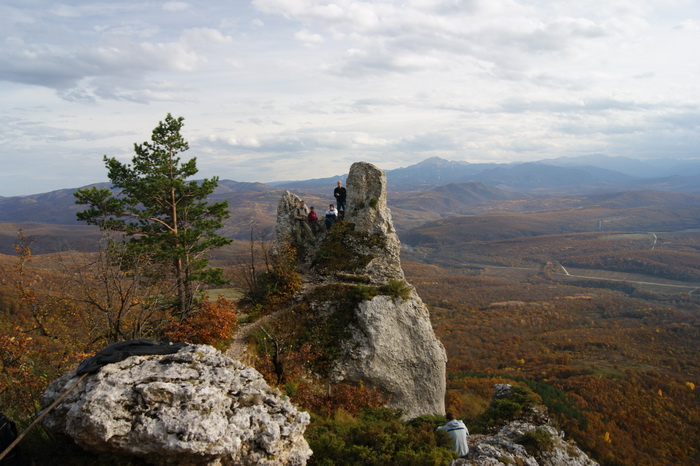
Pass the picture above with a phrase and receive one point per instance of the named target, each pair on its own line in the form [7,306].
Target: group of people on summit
[306,219]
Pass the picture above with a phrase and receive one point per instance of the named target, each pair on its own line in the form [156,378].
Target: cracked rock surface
[196,406]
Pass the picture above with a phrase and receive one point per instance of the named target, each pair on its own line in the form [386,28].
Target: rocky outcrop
[368,211]
[393,347]
[388,342]
[529,440]
[506,447]
[193,407]
[284,229]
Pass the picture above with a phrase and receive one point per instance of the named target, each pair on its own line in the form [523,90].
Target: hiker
[340,194]
[301,222]
[459,433]
[313,220]
[331,216]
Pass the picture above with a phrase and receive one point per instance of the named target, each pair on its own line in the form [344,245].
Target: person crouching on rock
[331,216]
[313,220]
[459,433]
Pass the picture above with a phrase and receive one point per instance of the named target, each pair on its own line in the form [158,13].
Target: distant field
[233,294]
[623,347]
[638,280]
[627,236]
[509,273]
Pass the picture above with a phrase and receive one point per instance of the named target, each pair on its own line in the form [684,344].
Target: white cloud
[207,36]
[689,25]
[176,6]
[308,38]
[270,84]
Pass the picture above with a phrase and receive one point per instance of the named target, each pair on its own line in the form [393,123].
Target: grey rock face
[504,447]
[394,348]
[285,226]
[367,209]
[193,407]
[392,345]
[366,201]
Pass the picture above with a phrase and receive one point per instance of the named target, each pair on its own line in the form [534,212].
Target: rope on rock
[41,416]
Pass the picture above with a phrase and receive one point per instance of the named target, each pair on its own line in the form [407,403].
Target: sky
[295,89]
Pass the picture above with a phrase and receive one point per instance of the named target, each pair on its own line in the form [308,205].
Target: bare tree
[123,293]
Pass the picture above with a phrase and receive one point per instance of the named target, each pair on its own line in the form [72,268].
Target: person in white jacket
[459,433]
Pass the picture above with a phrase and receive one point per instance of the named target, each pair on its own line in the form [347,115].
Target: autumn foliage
[617,370]
[57,312]
[212,324]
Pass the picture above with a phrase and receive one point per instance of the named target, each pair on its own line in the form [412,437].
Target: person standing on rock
[301,223]
[459,433]
[340,194]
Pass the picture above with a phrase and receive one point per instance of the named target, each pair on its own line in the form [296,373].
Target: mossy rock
[502,410]
[345,250]
[353,277]
[536,441]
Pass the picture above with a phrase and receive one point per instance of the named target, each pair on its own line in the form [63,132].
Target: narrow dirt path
[240,338]
[239,344]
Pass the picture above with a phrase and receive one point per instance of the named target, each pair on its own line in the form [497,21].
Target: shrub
[504,409]
[559,402]
[536,441]
[396,289]
[376,437]
[346,250]
[211,324]
[278,282]
[361,292]
[324,332]
[343,397]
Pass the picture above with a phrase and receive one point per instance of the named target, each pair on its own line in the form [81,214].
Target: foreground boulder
[196,406]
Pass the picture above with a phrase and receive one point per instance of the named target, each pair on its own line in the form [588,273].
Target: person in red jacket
[313,220]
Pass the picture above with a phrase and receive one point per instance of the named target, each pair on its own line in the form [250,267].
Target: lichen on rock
[196,406]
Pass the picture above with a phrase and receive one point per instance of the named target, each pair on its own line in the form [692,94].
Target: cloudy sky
[297,89]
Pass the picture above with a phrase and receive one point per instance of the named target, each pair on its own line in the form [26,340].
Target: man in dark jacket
[340,193]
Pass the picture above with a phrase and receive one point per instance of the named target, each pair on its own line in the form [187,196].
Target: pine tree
[165,216]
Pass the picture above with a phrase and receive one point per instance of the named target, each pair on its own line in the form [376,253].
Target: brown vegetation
[618,363]
[625,367]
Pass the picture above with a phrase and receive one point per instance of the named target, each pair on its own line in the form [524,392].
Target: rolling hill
[561,176]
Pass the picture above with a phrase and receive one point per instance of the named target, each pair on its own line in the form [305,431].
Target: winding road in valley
[639,282]
[692,287]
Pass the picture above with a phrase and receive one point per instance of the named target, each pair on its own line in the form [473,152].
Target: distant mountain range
[427,191]
[591,174]
[564,175]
